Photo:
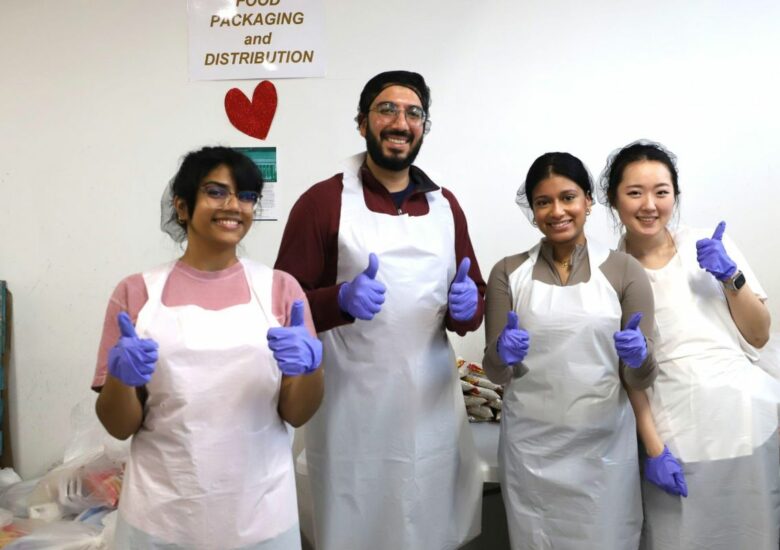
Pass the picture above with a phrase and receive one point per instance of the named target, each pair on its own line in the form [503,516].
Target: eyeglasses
[219,195]
[415,115]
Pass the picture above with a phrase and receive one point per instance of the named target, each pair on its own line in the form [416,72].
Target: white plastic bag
[8,477]
[16,497]
[61,535]
[90,437]
[6,517]
[81,483]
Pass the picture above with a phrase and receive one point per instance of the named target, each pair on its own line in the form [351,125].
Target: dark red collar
[418,178]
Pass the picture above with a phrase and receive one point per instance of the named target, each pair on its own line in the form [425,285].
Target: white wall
[96,110]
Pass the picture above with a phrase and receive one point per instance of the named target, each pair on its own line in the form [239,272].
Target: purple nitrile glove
[665,471]
[512,342]
[362,298]
[712,255]
[295,350]
[132,360]
[462,299]
[630,342]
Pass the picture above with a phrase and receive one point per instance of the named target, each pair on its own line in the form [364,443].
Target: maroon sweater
[309,249]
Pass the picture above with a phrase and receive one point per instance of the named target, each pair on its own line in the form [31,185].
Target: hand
[512,342]
[712,255]
[630,342]
[665,471]
[363,297]
[462,299]
[295,350]
[132,360]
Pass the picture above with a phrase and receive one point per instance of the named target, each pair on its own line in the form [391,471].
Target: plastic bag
[91,474]
[489,395]
[474,401]
[6,517]
[480,412]
[61,535]
[466,386]
[88,481]
[10,533]
[8,477]
[90,437]
[16,497]
[481,397]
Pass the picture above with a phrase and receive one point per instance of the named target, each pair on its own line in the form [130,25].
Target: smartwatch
[736,281]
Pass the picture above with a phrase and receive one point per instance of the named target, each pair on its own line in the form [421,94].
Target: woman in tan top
[568,452]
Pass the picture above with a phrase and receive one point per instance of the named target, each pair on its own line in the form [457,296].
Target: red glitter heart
[252,117]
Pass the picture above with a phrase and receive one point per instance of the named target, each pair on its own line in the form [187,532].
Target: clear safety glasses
[415,116]
[219,195]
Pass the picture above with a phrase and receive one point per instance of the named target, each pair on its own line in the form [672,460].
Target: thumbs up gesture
[362,298]
[712,255]
[630,343]
[512,342]
[132,360]
[295,350]
[462,299]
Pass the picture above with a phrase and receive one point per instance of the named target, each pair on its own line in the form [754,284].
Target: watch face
[739,282]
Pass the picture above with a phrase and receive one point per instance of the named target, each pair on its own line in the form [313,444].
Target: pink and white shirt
[213,290]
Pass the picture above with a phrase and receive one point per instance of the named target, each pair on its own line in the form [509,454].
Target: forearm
[642,377]
[300,397]
[637,296]
[119,408]
[645,424]
[498,302]
[325,309]
[750,315]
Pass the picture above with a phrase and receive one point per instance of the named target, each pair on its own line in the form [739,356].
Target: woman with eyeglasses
[202,361]
[714,407]
[568,447]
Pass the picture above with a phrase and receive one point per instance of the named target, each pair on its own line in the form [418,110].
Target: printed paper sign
[256,39]
[265,159]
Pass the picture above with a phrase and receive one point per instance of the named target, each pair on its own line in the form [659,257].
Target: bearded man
[385,259]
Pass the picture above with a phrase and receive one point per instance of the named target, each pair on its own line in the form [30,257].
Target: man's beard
[396,164]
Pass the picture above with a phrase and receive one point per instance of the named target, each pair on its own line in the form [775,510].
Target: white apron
[211,467]
[391,459]
[717,412]
[568,448]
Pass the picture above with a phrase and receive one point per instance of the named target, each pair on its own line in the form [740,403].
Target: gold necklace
[565,264]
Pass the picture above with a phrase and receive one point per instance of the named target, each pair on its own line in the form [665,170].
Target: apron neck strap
[156,278]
